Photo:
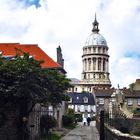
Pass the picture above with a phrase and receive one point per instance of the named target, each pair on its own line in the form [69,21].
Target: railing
[108,127]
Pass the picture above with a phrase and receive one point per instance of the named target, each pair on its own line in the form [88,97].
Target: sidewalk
[83,132]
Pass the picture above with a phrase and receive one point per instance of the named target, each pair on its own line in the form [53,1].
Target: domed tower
[95,61]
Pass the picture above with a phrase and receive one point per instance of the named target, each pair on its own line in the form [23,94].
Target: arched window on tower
[94,50]
[85,50]
[85,64]
[89,50]
[99,64]
[99,50]
[93,75]
[88,76]
[84,76]
[94,63]
[89,62]
[103,50]
[103,64]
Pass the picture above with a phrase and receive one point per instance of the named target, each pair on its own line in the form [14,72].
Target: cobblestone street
[83,133]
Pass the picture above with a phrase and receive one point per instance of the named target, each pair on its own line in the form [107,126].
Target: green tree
[57,84]
[23,83]
[131,86]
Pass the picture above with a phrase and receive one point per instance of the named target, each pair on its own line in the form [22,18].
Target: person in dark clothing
[88,121]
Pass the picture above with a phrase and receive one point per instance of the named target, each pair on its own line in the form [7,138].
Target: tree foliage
[23,78]
[57,85]
[46,123]
[131,86]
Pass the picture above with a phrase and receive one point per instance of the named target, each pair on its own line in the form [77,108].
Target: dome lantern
[95,25]
[95,38]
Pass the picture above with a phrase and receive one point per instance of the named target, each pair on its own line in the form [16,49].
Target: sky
[68,23]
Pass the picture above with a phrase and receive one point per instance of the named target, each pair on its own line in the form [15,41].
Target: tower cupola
[95,60]
[95,25]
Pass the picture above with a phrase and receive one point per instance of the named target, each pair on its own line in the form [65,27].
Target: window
[89,64]
[94,63]
[78,108]
[71,106]
[75,89]
[85,100]
[86,108]
[88,76]
[99,64]
[89,89]
[70,100]
[129,101]
[103,65]
[139,101]
[101,101]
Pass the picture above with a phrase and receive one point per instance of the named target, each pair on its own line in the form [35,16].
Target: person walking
[84,121]
[88,121]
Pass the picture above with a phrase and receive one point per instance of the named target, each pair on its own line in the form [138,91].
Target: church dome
[95,39]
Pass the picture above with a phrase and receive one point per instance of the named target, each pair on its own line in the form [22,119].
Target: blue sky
[29,3]
[68,23]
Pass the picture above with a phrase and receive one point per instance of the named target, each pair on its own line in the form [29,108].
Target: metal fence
[34,125]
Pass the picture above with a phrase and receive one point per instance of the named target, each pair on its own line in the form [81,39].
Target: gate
[34,123]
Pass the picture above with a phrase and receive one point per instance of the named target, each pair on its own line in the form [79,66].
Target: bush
[124,130]
[136,130]
[46,123]
[136,112]
[67,120]
[78,117]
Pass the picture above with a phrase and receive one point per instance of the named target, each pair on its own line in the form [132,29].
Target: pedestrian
[84,121]
[76,120]
[88,121]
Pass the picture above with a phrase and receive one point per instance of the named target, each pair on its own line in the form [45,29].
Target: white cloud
[68,23]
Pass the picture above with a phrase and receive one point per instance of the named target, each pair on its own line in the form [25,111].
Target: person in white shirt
[84,121]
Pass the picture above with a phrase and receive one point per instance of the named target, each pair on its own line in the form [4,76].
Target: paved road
[83,133]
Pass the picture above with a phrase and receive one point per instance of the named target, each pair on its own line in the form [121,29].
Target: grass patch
[55,136]
[70,126]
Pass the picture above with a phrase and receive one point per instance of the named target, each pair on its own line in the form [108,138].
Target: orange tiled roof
[8,49]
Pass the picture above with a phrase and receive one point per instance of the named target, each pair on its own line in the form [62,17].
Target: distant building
[136,85]
[82,103]
[95,58]
[8,51]
[103,97]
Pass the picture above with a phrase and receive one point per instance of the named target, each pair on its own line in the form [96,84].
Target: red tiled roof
[8,49]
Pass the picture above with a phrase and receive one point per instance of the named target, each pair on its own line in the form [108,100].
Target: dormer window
[70,101]
[85,100]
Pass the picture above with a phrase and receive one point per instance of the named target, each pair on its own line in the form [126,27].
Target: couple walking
[87,121]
